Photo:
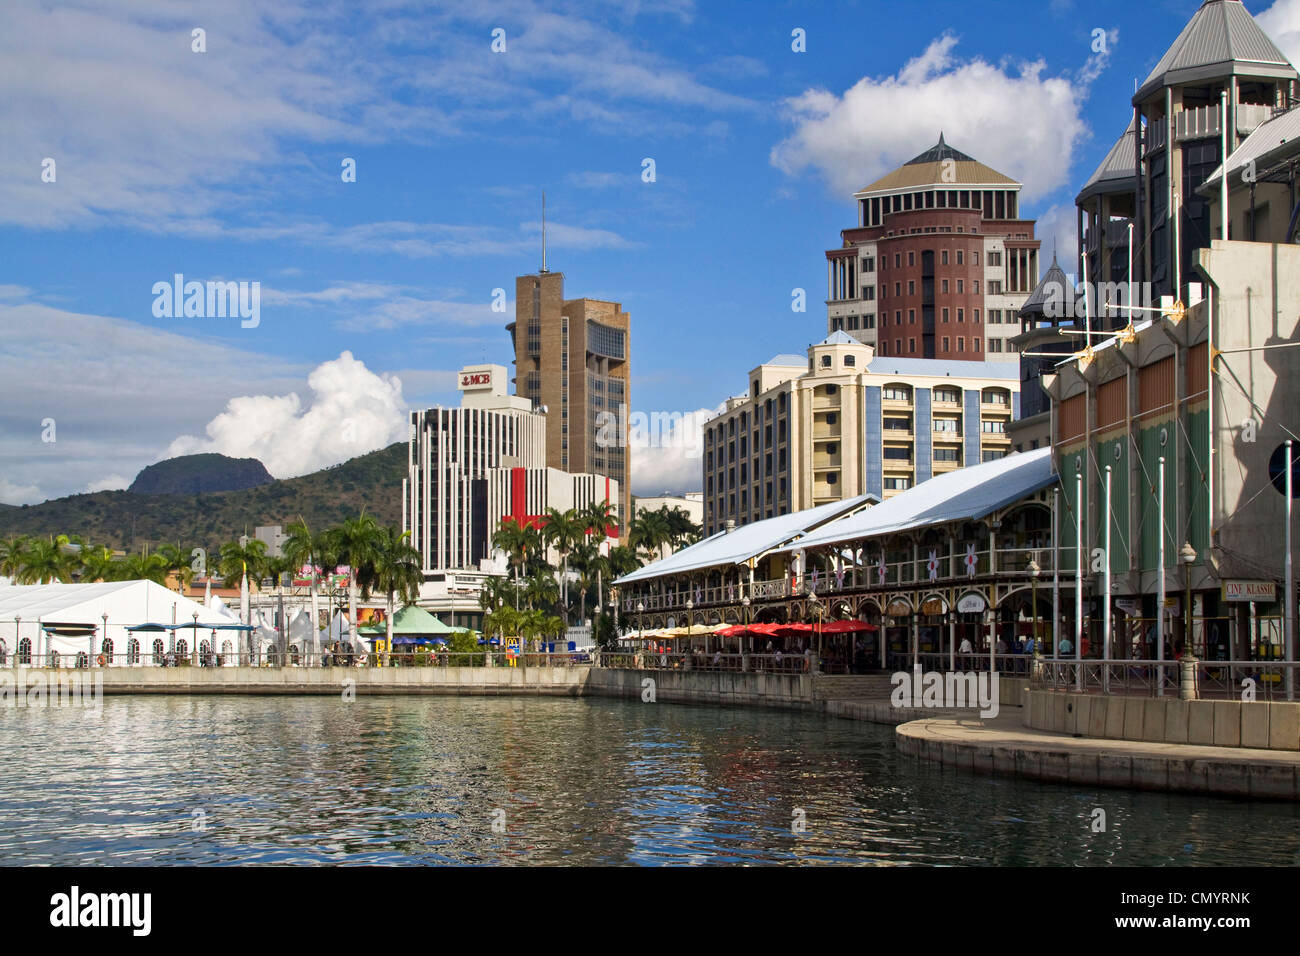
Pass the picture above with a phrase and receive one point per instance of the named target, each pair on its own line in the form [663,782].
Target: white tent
[303,636]
[82,621]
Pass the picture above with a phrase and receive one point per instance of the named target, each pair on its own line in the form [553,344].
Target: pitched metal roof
[1270,143]
[1117,170]
[966,494]
[788,359]
[748,541]
[1222,39]
[839,337]
[940,165]
[1053,283]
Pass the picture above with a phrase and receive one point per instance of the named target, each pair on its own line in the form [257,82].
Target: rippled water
[417,780]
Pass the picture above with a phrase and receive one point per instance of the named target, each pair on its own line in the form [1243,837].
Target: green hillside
[121,519]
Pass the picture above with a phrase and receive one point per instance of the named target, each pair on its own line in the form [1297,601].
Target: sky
[697,158]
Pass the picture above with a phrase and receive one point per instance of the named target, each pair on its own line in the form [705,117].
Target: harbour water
[222,780]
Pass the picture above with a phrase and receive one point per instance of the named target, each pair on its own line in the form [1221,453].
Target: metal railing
[739,663]
[296,659]
[1214,680]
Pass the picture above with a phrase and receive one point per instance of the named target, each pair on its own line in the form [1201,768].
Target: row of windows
[851,322]
[911,346]
[945,315]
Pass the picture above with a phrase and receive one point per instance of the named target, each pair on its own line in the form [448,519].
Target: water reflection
[418,780]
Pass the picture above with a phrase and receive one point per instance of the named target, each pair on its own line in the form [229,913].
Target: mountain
[200,474]
[124,519]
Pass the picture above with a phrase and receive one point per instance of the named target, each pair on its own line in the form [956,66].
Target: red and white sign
[1262,591]
[475,380]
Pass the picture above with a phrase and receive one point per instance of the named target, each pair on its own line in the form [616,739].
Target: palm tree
[541,591]
[394,569]
[45,561]
[301,548]
[12,552]
[98,563]
[599,517]
[564,530]
[178,563]
[518,541]
[649,531]
[142,567]
[356,544]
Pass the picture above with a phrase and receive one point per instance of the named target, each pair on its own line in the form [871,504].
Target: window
[911,316]
[948,454]
[911,258]
[995,316]
[832,478]
[911,346]
[898,317]
[944,259]
[945,315]
[992,454]
[898,424]
[975,316]
[947,426]
[897,393]
[850,361]
[911,287]
[25,651]
[869,293]
[869,264]
[995,396]
[975,344]
[898,289]
[945,343]
[995,345]
[884,348]
[830,418]
[995,287]
[826,361]
[897,484]
[961,315]
[960,255]
[945,286]
[898,261]
[961,345]
[961,286]
[995,258]
[869,321]
[993,428]
[975,260]
[898,454]
[976,284]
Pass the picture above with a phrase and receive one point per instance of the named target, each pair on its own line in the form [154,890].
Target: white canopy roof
[965,494]
[125,603]
[748,541]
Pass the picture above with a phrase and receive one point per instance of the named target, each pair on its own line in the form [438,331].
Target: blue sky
[225,165]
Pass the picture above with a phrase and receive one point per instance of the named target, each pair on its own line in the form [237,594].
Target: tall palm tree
[142,567]
[98,563]
[599,517]
[519,542]
[356,544]
[649,532]
[46,560]
[178,563]
[12,552]
[541,591]
[564,530]
[393,570]
[301,547]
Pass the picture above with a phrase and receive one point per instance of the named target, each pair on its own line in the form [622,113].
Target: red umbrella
[846,627]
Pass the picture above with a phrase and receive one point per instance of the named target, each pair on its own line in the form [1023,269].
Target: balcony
[825,462]
[1199,123]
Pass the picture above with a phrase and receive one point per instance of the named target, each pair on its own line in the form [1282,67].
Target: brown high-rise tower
[573,357]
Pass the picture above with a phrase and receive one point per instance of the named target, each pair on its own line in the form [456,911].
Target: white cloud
[118,391]
[1057,228]
[1281,22]
[353,411]
[108,483]
[666,450]
[1016,119]
[12,494]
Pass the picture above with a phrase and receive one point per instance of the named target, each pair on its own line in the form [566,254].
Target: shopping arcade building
[946,561]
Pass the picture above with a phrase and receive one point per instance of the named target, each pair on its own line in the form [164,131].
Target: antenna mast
[543,230]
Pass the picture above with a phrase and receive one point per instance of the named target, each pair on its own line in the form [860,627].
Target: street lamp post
[102,639]
[1034,572]
[815,602]
[744,658]
[1188,660]
[690,621]
[640,631]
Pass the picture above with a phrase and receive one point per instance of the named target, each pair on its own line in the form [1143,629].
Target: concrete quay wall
[551,681]
[786,691]
[1259,725]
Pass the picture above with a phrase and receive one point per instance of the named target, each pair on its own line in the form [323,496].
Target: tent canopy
[410,621]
